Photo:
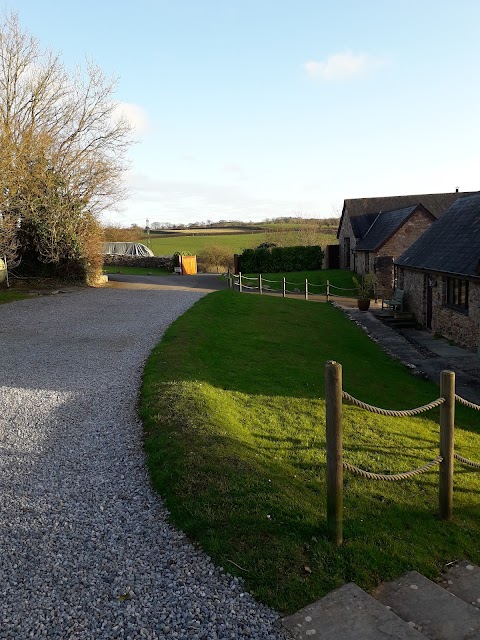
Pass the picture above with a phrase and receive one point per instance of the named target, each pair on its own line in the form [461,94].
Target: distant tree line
[208,224]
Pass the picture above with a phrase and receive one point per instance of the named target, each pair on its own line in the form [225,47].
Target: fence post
[260,283]
[333,398]
[229,276]
[306,289]
[328,290]
[240,281]
[447,437]
[284,287]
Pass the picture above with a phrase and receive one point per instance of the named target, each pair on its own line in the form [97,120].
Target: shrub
[214,255]
[281,259]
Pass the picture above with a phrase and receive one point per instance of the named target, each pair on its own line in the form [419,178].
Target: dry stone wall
[147,262]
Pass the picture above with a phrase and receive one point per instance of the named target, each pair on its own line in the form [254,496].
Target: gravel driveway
[86,548]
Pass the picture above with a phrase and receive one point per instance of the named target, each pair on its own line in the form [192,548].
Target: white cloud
[184,201]
[135,115]
[343,65]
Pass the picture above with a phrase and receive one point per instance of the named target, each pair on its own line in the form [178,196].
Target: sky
[254,109]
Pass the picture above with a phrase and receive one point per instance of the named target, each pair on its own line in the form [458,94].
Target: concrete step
[438,614]
[348,613]
[463,580]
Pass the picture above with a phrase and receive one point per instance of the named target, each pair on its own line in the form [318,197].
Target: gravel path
[86,548]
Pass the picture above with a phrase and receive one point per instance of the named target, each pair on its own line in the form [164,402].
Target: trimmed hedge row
[277,259]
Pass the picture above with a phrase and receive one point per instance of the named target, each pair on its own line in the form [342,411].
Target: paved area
[424,353]
[203,282]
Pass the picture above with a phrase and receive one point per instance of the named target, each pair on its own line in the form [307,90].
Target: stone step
[463,580]
[348,613]
[403,324]
[438,614]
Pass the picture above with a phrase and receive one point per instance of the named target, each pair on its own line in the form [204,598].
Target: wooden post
[447,437]
[284,288]
[328,290]
[306,289]
[229,278]
[240,281]
[260,283]
[333,398]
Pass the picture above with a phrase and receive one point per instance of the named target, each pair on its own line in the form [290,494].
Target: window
[456,294]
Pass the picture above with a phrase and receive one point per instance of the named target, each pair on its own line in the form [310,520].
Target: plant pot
[363,304]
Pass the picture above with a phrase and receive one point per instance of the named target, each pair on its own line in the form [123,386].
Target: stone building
[440,274]
[374,231]
[389,235]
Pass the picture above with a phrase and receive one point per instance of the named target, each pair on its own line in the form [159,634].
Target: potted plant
[365,288]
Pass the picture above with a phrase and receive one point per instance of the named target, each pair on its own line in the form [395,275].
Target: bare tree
[62,147]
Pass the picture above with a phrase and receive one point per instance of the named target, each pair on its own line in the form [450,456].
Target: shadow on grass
[259,500]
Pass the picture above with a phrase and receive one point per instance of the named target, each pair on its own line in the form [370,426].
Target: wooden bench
[396,302]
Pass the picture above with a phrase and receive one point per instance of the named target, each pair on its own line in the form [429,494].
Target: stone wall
[406,235]
[148,262]
[461,327]
[346,231]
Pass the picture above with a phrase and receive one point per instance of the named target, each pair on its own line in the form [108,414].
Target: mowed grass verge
[12,296]
[234,415]
[137,271]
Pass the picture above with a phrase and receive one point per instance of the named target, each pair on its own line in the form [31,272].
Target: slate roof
[436,203]
[384,226]
[452,243]
[361,224]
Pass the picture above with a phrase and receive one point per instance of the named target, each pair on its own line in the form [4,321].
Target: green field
[234,416]
[237,243]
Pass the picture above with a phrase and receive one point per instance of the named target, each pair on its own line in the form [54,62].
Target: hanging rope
[467,403]
[469,463]
[392,412]
[369,475]
[332,286]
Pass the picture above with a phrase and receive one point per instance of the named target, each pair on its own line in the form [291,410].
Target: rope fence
[467,403]
[305,288]
[403,413]
[334,396]
[392,477]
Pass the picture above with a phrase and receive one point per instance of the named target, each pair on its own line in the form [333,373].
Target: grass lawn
[337,277]
[137,271]
[234,418]
[11,296]
[236,243]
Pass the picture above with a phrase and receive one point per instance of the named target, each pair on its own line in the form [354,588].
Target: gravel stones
[87,550]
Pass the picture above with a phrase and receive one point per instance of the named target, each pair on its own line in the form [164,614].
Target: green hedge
[277,259]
